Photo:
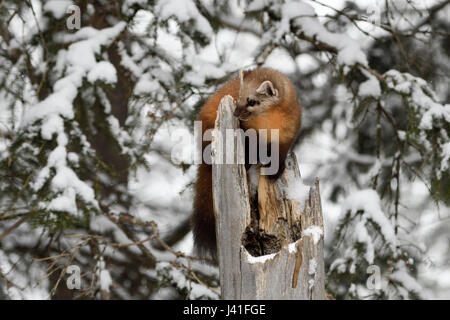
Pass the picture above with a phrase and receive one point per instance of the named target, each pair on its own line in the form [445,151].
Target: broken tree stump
[270,246]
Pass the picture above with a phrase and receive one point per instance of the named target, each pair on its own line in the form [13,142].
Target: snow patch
[369,202]
[349,50]
[370,87]
[314,232]
[196,291]
[292,247]
[103,71]
[312,267]
[57,8]
[184,11]
[297,190]
[146,85]
[79,61]
[260,259]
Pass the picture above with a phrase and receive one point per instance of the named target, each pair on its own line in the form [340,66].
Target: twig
[15,226]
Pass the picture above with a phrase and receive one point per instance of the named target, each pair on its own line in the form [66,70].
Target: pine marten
[265,99]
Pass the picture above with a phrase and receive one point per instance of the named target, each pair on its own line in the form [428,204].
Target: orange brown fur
[285,116]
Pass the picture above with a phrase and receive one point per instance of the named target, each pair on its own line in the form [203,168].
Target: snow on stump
[269,233]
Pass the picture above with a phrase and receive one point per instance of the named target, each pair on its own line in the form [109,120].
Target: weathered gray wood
[296,270]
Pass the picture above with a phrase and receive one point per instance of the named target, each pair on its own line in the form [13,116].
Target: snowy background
[89,119]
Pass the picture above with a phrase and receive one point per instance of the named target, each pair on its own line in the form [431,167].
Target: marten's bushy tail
[203,220]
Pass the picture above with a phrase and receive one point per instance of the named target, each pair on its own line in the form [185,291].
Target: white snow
[368,201]
[57,7]
[79,59]
[260,259]
[105,280]
[297,190]
[202,69]
[256,5]
[103,71]
[401,275]
[314,232]
[370,87]
[3,148]
[80,62]
[445,156]
[146,85]
[431,114]
[66,202]
[362,236]
[349,50]
[101,223]
[51,125]
[421,97]
[122,136]
[184,11]
[292,247]
[312,267]
[66,178]
[103,276]
[59,103]
[339,265]
[58,108]
[178,278]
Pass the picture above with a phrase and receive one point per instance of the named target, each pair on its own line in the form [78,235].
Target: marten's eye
[251,102]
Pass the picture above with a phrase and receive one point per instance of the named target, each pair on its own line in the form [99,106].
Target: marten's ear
[241,82]
[242,74]
[267,88]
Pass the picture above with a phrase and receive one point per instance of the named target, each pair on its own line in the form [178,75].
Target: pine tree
[88,116]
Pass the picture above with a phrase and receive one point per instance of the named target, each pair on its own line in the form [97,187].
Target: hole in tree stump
[260,243]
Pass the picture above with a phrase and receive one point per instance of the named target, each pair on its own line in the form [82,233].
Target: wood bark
[264,251]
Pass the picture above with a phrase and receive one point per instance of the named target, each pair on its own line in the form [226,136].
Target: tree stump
[272,249]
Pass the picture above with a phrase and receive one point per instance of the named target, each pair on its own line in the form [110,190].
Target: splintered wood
[269,246]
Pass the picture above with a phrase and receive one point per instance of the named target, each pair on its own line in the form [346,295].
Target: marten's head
[256,96]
